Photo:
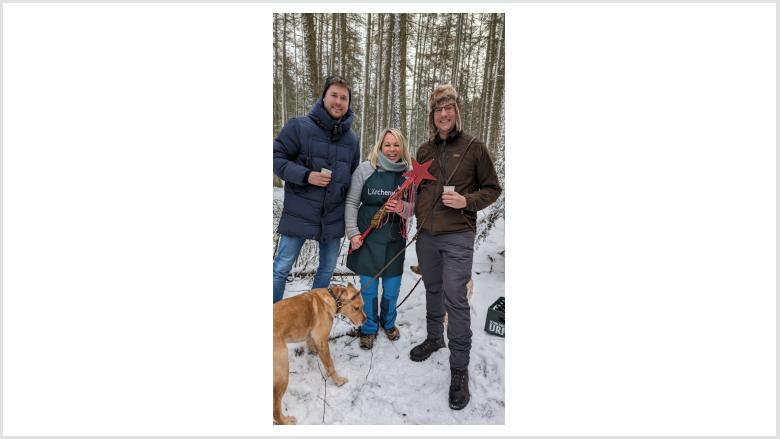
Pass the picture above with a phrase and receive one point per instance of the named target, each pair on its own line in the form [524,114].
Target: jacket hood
[335,128]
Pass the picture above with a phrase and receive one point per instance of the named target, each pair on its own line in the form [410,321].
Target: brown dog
[309,317]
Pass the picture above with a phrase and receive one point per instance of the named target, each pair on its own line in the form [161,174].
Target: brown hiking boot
[367,341]
[393,333]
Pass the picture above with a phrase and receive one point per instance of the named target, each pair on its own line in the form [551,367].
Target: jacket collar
[450,137]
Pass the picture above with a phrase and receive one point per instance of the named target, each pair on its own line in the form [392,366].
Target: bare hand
[453,200]
[356,241]
[319,179]
[394,206]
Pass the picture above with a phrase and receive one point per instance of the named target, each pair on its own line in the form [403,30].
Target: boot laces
[430,344]
[458,380]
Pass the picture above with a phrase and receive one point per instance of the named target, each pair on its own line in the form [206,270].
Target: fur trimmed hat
[444,94]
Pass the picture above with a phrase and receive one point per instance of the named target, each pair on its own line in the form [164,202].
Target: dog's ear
[349,285]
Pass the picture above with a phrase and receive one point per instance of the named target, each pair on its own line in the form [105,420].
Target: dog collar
[338,302]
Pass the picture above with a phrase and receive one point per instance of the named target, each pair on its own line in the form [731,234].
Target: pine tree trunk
[465,83]
[343,70]
[320,26]
[366,88]
[277,88]
[378,77]
[402,67]
[331,69]
[395,75]
[415,82]
[310,37]
[386,76]
[486,81]
[426,87]
[284,68]
[498,90]
[456,51]
[297,91]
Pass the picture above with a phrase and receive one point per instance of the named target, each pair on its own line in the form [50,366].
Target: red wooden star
[419,172]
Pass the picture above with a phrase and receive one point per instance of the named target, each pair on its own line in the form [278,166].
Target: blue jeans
[289,248]
[390,288]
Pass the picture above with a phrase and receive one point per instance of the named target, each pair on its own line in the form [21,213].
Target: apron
[385,242]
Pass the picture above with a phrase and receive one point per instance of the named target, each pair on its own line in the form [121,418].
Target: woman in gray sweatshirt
[372,183]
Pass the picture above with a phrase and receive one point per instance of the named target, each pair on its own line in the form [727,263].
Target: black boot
[424,350]
[459,388]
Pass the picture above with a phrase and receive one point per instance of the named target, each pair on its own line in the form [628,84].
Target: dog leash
[410,293]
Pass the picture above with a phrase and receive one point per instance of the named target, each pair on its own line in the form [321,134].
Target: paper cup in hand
[449,189]
[326,171]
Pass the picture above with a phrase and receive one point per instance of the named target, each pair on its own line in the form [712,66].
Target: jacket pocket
[296,188]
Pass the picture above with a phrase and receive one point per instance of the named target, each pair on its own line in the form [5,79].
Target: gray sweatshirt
[359,177]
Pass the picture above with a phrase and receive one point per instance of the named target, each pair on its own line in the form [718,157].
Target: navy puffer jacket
[310,143]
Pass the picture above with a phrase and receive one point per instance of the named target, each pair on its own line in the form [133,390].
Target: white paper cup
[326,171]
[449,189]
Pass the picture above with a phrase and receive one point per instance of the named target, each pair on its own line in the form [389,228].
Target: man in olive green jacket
[446,213]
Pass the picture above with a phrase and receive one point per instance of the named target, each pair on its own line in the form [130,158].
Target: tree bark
[366,87]
[297,90]
[486,80]
[320,25]
[310,51]
[402,67]
[331,69]
[284,69]
[456,52]
[343,48]
[394,93]
[378,77]
[498,90]
[386,74]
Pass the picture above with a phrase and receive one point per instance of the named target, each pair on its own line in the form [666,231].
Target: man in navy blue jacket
[315,156]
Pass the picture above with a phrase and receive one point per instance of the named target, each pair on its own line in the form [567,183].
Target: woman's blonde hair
[376,150]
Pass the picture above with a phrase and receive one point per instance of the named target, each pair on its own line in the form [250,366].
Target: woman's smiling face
[391,148]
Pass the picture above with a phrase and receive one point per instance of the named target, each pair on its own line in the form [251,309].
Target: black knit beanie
[335,79]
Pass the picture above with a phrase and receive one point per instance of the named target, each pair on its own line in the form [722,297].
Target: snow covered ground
[385,386]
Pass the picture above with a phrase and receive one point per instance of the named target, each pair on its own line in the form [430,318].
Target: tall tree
[378,77]
[416,61]
[277,80]
[402,36]
[320,26]
[311,56]
[394,82]
[343,46]
[497,91]
[366,88]
[297,91]
[386,74]
[456,51]
[331,59]
[487,80]
[284,68]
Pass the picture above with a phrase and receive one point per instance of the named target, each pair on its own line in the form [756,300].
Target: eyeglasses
[450,108]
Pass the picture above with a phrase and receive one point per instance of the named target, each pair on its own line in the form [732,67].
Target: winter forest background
[393,62]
